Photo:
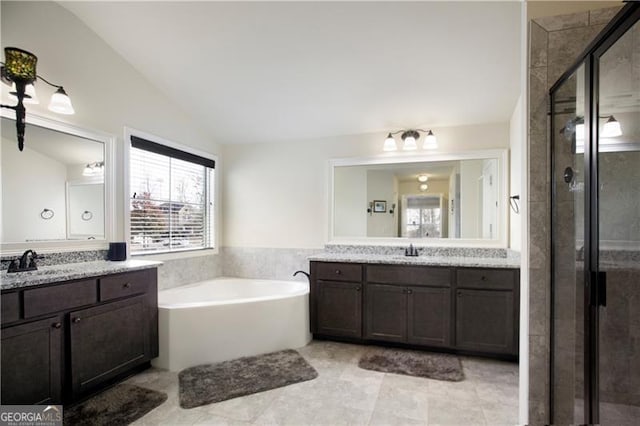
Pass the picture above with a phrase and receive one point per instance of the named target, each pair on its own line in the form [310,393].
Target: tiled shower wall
[554,44]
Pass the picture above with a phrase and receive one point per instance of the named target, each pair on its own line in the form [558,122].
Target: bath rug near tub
[206,384]
[121,405]
[413,363]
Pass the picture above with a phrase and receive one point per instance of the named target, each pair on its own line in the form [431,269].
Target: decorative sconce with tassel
[19,72]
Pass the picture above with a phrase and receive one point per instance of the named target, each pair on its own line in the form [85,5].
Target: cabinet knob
[483,278]
[126,285]
[338,271]
[358,288]
[459,293]
[76,320]
[56,325]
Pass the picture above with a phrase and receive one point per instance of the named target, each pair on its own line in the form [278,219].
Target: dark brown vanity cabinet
[336,299]
[471,310]
[32,362]
[408,304]
[69,339]
[486,310]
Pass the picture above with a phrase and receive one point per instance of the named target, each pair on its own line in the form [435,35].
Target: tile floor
[344,394]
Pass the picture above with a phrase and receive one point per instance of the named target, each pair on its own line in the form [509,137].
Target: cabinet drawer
[494,279]
[57,298]
[123,285]
[411,275]
[10,304]
[339,271]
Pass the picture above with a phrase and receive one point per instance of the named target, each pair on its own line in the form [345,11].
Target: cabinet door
[386,307]
[106,340]
[339,308]
[32,363]
[484,321]
[429,311]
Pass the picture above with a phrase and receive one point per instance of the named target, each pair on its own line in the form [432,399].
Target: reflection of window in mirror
[422,216]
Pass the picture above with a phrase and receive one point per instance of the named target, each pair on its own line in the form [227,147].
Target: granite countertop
[464,261]
[70,271]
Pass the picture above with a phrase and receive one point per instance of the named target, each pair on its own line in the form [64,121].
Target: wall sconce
[410,139]
[392,209]
[19,72]
[94,169]
[370,208]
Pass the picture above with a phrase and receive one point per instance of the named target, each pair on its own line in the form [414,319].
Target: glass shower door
[568,216]
[618,237]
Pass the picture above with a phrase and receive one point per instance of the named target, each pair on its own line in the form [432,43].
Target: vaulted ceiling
[274,71]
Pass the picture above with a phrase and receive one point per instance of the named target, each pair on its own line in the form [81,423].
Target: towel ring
[87,215]
[47,214]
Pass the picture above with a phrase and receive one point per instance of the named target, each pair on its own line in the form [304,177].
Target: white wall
[21,204]
[106,91]
[107,94]
[515,172]
[350,202]
[276,194]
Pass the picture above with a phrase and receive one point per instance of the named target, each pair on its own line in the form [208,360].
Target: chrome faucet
[25,263]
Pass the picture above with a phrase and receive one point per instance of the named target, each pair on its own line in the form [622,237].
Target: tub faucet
[302,272]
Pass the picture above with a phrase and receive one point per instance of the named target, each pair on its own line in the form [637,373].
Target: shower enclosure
[595,155]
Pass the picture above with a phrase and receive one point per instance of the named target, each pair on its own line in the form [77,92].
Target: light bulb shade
[390,144]
[20,65]
[430,142]
[424,187]
[611,128]
[61,103]
[88,170]
[409,138]
[423,178]
[30,92]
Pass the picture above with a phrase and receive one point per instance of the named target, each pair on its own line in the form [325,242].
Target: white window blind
[171,199]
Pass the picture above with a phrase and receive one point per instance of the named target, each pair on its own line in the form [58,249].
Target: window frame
[215,211]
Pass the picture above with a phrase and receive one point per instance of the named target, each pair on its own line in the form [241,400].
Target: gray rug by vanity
[206,384]
[120,405]
[413,363]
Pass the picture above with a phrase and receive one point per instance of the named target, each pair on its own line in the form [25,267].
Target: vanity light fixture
[611,128]
[94,169]
[410,140]
[19,72]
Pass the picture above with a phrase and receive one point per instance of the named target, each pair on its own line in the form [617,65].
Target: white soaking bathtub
[227,318]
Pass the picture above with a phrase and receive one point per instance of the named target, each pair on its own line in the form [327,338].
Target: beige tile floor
[344,394]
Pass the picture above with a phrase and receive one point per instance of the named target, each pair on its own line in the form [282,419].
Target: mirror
[443,198]
[54,192]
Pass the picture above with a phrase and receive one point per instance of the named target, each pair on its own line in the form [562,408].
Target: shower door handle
[602,288]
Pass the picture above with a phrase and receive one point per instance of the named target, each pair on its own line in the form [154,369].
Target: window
[422,216]
[170,199]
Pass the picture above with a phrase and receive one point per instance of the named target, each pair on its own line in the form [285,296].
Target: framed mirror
[445,199]
[58,192]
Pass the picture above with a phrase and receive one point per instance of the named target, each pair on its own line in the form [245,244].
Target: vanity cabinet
[486,311]
[470,310]
[32,362]
[408,304]
[336,299]
[70,339]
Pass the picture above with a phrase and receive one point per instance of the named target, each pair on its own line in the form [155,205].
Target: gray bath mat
[206,384]
[413,363]
[120,405]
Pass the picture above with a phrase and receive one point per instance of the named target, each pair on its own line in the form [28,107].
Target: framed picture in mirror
[379,206]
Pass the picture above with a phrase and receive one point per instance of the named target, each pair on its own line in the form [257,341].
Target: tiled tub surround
[554,45]
[71,271]
[265,263]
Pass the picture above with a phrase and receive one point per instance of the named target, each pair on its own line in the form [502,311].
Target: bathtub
[227,318]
